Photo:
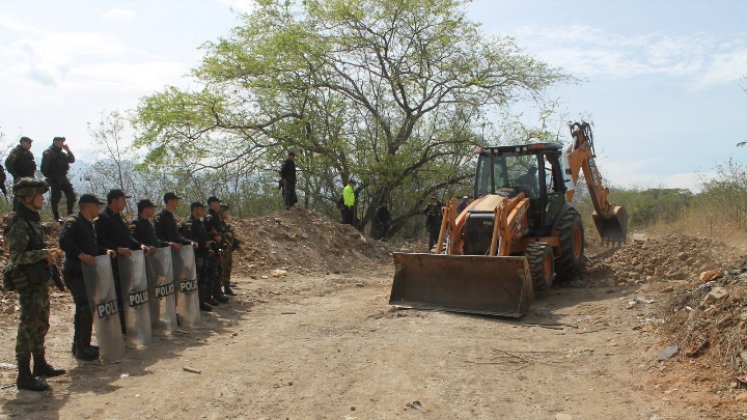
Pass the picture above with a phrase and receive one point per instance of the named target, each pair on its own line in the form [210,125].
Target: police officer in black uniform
[165,223]
[142,229]
[214,228]
[20,163]
[192,229]
[113,233]
[433,221]
[78,240]
[55,163]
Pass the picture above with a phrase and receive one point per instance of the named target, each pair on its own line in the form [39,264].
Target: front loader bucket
[462,283]
[615,229]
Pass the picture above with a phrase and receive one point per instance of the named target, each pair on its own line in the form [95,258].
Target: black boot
[83,348]
[202,295]
[26,380]
[227,290]
[41,367]
[218,292]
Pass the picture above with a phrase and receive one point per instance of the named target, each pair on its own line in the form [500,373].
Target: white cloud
[81,60]
[643,174]
[242,6]
[119,14]
[703,58]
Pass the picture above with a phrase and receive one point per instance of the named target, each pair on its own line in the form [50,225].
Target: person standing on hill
[433,221]
[288,179]
[20,161]
[348,203]
[30,276]
[382,220]
[55,164]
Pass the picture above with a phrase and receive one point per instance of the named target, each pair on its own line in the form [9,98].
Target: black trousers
[289,193]
[347,216]
[72,275]
[59,185]
[433,232]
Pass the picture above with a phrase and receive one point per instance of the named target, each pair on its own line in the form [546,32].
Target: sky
[662,81]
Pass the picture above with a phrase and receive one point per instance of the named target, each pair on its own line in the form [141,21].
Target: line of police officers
[92,232]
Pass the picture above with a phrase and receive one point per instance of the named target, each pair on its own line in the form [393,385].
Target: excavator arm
[610,220]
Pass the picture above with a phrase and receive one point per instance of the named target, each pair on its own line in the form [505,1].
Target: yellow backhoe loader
[519,233]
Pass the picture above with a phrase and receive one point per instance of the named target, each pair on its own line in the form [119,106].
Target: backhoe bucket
[462,283]
[615,229]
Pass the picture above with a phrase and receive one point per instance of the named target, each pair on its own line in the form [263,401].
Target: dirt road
[327,347]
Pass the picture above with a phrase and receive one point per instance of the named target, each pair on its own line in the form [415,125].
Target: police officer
[55,163]
[30,276]
[288,180]
[433,221]
[192,229]
[112,232]
[78,240]
[165,223]
[214,229]
[142,229]
[20,163]
[230,243]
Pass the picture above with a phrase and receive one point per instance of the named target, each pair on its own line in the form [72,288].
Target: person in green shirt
[348,204]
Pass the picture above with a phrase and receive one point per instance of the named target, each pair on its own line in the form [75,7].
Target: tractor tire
[541,265]
[572,244]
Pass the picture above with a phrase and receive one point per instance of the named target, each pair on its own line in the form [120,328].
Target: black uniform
[142,231]
[166,229]
[213,226]
[20,163]
[112,233]
[78,236]
[288,173]
[381,222]
[55,164]
[192,228]
[433,222]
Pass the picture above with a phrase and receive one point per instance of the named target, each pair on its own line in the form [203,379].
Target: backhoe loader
[519,234]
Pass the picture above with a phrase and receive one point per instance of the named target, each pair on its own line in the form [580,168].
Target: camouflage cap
[27,186]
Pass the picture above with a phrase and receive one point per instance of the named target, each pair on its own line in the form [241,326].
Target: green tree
[395,94]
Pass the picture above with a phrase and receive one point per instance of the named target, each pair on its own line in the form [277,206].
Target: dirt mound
[302,241]
[672,257]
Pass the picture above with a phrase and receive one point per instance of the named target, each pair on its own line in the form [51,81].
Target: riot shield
[135,298]
[185,280]
[162,291]
[102,300]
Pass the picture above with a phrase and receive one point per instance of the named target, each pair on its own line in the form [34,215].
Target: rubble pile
[302,241]
[672,257]
[708,319]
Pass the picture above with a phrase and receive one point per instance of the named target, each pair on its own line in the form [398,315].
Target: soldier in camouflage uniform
[229,245]
[29,274]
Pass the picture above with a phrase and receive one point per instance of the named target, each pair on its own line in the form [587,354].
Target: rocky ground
[309,336]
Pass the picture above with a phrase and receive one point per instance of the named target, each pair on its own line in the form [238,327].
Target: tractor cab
[538,170]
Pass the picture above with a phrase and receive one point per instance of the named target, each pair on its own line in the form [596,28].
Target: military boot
[218,292]
[26,380]
[83,348]
[227,290]
[41,367]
